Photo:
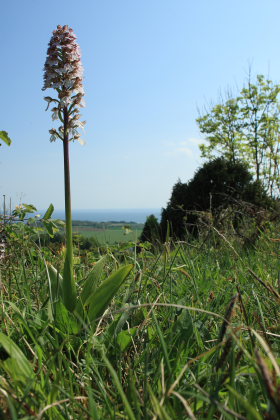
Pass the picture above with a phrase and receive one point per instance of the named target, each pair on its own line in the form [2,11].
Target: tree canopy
[247,128]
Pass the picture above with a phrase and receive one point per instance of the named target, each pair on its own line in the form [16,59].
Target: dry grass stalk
[224,355]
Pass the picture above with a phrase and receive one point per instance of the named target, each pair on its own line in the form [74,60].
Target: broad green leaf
[29,208]
[50,227]
[79,311]
[4,136]
[49,212]
[65,320]
[102,297]
[14,361]
[124,338]
[92,279]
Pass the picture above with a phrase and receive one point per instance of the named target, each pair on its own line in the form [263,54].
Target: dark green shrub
[151,231]
[217,185]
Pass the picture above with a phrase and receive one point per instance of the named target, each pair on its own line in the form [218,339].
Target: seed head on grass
[228,316]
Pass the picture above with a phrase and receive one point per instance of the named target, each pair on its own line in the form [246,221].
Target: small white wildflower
[55,114]
[81,141]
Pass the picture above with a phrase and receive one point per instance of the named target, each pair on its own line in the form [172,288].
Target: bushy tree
[151,231]
[247,128]
[173,217]
[218,184]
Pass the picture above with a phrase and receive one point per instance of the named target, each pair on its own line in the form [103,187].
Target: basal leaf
[102,297]
[65,320]
[56,282]
[92,279]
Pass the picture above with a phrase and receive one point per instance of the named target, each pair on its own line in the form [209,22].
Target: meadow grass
[193,334]
[108,236]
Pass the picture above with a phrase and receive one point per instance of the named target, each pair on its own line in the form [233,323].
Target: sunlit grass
[192,334]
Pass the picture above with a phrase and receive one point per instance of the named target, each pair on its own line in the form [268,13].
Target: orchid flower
[63,72]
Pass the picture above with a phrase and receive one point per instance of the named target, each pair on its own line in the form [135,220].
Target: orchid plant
[64,74]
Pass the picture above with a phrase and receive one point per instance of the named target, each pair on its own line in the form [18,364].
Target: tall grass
[193,334]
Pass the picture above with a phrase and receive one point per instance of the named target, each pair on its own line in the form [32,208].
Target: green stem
[69,287]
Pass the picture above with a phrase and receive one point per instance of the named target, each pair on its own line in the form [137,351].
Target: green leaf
[29,208]
[49,212]
[101,299]
[124,338]
[50,226]
[91,280]
[4,136]
[56,282]
[65,320]
[68,283]
[14,361]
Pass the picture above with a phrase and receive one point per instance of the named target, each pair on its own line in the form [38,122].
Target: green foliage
[94,298]
[23,226]
[193,335]
[13,361]
[247,128]
[101,297]
[223,126]
[91,281]
[5,137]
[217,185]
[23,210]
[151,231]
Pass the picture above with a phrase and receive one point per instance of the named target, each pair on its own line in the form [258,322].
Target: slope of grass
[109,232]
[193,334]
[108,236]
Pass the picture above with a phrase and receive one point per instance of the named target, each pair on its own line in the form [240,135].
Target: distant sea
[109,215]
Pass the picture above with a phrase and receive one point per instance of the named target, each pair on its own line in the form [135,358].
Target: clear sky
[149,65]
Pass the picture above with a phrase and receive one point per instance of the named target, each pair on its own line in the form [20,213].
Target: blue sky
[149,65]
